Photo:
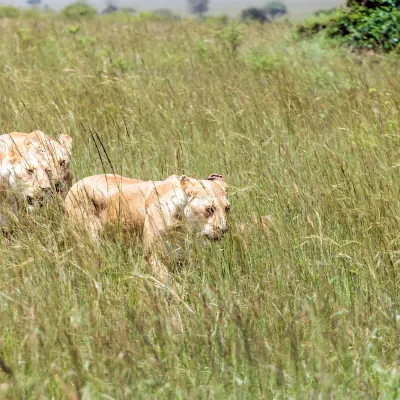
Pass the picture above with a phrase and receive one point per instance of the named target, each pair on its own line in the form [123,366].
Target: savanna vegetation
[301,297]
[362,24]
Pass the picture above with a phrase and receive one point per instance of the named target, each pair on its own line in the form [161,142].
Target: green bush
[9,12]
[315,24]
[79,10]
[198,7]
[254,14]
[275,9]
[373,3]
[368,24]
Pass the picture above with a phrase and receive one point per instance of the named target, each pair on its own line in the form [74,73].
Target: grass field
[300,299]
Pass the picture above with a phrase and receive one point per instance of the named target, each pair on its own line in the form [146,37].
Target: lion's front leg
[153,250]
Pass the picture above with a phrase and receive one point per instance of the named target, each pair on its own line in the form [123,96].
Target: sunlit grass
[300,300]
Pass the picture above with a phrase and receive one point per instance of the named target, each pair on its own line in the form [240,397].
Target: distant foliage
[373,3]
[198,7]
[34,3]
[130,10]
[218,19]
[275,9]
[79,10]
[9,12]
[110,9]
[367,24]
[254,14]
[165,13]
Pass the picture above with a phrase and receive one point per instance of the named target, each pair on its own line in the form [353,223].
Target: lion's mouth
[58,187]
[214,238]
[37,201]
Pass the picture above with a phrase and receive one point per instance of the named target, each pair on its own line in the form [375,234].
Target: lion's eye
[228,208]
[30,171]
[210,211]
[63,163]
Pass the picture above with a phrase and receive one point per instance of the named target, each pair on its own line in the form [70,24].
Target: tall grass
[301,298]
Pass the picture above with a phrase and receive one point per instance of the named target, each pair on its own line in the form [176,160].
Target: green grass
[300,300]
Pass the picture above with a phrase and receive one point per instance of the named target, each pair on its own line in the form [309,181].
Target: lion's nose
[46,191]
[223,229]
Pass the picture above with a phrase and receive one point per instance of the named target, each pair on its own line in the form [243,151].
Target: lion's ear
[188,185]
[219,179]
[65,141]
[38,135]
[35,141]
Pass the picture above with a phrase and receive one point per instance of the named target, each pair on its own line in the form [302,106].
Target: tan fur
[150,209]
[24,179]
[97,200]
[57,154]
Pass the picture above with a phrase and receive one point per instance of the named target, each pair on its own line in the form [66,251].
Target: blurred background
[297,9]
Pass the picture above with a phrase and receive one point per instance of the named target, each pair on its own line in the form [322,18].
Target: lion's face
[207,207]
[28,176]
[57,154]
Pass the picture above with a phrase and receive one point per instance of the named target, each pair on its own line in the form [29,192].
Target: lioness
[150,209]
[57,154]
[24,176]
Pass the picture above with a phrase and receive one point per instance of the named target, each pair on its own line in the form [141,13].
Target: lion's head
[207,206]
[27,175]
[57,154]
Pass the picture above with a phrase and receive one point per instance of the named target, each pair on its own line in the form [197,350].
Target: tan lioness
[24,178]
[57,153]
[150,209]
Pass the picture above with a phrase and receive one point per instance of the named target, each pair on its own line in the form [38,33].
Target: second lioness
[150,209]
[56,152]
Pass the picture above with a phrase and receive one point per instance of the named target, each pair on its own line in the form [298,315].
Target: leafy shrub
[315,24]
[230,37]
[368,24]
[79,10]
[86,41]
[275,9]
[9,12]
[373,3]
[72,29]
[254,14]
[261,61]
